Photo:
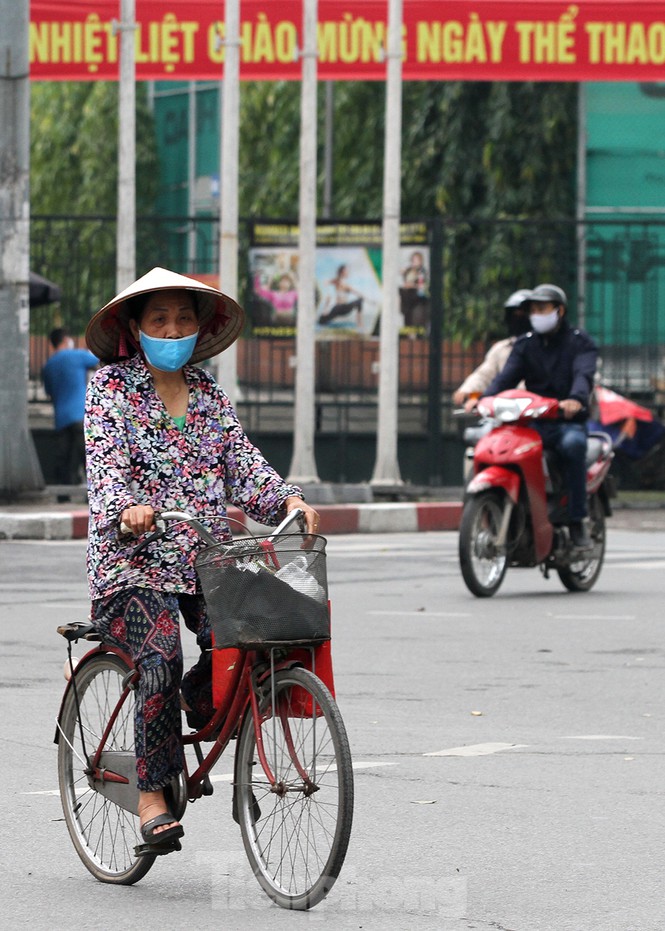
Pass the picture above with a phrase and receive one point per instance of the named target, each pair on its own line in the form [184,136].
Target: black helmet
[515,313]
[517,298]
[549,293]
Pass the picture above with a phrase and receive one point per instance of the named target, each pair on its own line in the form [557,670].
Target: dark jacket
[555,365]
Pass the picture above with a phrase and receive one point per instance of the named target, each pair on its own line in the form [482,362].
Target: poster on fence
[349,280]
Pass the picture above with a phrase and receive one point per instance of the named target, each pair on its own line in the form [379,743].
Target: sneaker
[579,535]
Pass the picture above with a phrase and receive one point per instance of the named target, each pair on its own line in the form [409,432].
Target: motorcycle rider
[517,322]
[557,360]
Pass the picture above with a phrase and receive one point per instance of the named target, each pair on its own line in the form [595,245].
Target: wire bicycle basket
[266,591]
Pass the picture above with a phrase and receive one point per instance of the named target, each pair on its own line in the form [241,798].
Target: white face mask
[544,323]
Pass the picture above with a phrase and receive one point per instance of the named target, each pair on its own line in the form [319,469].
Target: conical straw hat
[220,318]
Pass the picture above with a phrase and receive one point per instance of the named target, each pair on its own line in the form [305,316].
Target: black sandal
[164,841]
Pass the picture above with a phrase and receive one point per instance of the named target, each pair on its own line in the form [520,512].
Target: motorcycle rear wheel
[483,566]
[583,573]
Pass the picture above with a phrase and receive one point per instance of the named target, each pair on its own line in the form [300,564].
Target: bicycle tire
[104,833]
[296,839]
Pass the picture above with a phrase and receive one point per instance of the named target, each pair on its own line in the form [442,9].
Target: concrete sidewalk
[69,521]
[50,520]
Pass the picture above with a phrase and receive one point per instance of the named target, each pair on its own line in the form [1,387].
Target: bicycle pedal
[157,850]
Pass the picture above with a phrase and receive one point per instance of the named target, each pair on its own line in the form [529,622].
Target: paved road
[509,752]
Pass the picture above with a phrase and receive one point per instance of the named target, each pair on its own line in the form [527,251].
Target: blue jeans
[568,440]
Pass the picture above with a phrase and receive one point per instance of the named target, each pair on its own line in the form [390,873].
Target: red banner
[489,40]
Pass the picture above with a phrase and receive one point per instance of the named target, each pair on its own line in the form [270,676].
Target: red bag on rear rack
[224,664]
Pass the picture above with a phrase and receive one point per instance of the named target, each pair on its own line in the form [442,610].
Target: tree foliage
[468,149]
[486,157]
[74,149]
[74,173]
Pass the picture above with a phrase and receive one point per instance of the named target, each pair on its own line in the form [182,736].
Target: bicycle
[293,776]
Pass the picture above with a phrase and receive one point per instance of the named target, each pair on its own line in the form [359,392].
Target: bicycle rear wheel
[104,831]
[296,832]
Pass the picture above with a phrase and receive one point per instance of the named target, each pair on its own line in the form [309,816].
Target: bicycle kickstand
[206,784]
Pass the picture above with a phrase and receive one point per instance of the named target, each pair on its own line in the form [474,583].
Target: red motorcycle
[515,505]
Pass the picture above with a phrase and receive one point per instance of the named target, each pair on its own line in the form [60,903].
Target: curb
[398,517]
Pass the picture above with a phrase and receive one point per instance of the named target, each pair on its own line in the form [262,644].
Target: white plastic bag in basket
[295,574]
[249,567]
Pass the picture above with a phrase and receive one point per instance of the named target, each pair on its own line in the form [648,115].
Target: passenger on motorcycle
[557,360]
[517,322]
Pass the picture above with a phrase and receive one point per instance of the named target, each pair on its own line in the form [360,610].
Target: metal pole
[328,147]
[191,176]
[435,381]
[581,204]
[126,220]
[226,365]
[19,467]
[386,467]
[303,463]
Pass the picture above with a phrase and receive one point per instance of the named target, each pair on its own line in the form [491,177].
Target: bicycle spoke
[298,843]
[104,833]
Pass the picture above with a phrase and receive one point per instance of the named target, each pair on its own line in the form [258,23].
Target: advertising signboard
[349,276]
[488,40]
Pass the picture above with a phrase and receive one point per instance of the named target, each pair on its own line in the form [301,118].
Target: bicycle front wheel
[104,831]
[296,831]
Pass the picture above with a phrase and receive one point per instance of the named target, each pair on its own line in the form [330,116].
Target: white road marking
[422,613]
[228,777]
[652,564]
[600,737]
[475,750]
[358,764]
[370,764]
[592,617]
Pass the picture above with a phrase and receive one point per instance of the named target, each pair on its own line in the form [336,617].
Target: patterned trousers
[146,625]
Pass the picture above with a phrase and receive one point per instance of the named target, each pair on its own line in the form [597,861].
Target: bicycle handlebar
[164,517]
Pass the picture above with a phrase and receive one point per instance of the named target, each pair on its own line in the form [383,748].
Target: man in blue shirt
[65,380]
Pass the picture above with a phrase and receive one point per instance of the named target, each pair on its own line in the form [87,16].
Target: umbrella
[614,407]
[43,291]
[633,428]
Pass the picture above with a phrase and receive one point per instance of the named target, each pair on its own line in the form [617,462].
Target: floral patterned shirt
[137,455]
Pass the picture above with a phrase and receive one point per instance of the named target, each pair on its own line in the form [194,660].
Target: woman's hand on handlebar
[138,519]
[312,517]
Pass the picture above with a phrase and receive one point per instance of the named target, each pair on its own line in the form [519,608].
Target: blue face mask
[168,355]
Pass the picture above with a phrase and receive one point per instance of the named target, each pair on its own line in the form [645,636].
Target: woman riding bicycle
[162,435]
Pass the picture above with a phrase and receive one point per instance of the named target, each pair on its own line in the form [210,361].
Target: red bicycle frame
[227,719]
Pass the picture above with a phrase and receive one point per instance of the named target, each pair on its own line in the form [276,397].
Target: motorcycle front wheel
[483,565]
[582,573]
